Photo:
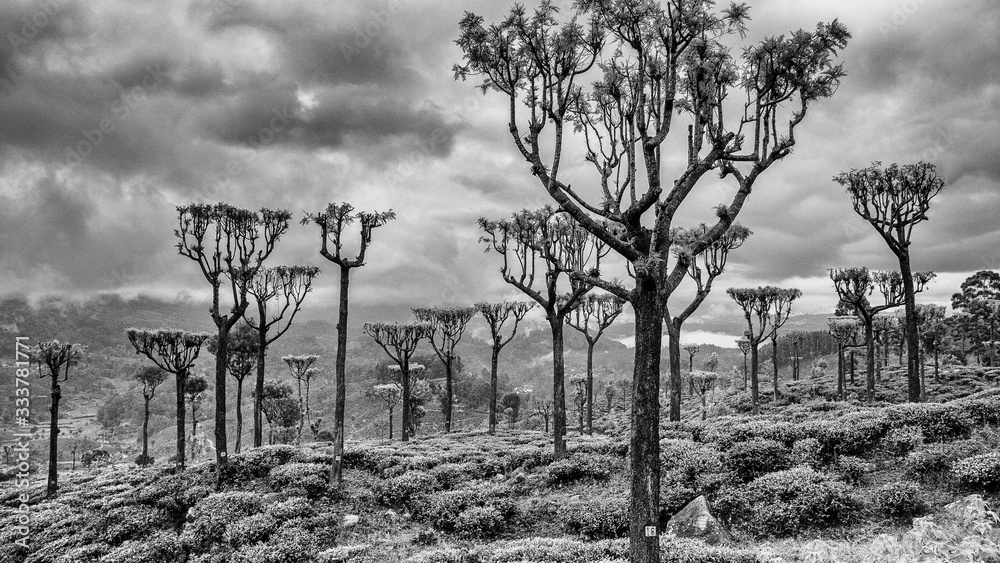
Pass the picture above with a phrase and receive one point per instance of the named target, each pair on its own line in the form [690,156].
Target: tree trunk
[558,388]
[746,374]
[390,424]
[840,372]
[194,426]
[221,365]
[644,434]
[340,402]
[52,485]
[302,413]
[494,364]
[774,364]
[448,397]
[754,378]
[404,376]
[145,433]
[181,447]
[937,366]
[850,365]
[674,358]
[239,415]
[258,394]
[590,388]
[912,334]
[923,376]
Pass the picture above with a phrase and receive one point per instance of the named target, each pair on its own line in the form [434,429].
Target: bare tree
[855,285]
[228,242]
[846,330]
[389,394]
[758,309]
[194,388]
[932,333]
[302,372]
[562,247]
[782,310]
[399,340]
[447,327]
[601,310]
[332,223]
[712,262]
[704,382]
[744,345]
[894,200]
[497,315]
[174,351]
[242,357]
[287,286]
[150,377]
[57,358]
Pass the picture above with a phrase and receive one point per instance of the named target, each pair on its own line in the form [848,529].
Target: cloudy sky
[114,112]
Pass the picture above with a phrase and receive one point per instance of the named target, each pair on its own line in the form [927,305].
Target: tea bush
[900,441]
[600,517]
[310,478]
[751,459]
[979,471]
[404,489]
[853,470]
[899,499]
[442,509]
[578,467]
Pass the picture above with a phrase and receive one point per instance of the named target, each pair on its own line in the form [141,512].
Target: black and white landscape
[482,282]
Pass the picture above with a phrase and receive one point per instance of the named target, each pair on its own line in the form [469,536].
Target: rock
[695,521]
[350,520]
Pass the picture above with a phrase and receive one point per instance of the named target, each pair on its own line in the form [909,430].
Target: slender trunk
[937,366]
[221,365]
[558,388]
[754,379]
[923,376]
[704,406]
[390,424]
[644,434]
[50,489]
[746,374]
[194,426]
[774,364]
[912,335]
[840,372]
[258,393]
[308,414]
[674,359]
[340,403]
[181,447]
[239,415]
[404,375]
[302,413]
[145,433]
[590,388]
[850,365]
[869,358]
[494,363]
[447,394]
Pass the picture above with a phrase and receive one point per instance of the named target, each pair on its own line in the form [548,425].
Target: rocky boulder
[695,521]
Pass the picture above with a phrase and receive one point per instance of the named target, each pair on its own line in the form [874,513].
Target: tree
[332,223]
[563,247]
[497,315]
[173,351]
[243,355]
[855,285]
[228,242]
[57,358]
[389,394]
[510,403]
[712,363]
[846,330]
[287,286]
[543,408]
[894,200]
[399,340]
[447,327]
[782,309]
[758,305]
[703,382]
[980,299]
[579,385]
[280,409]
[655,62]
[194,390]
[150,377]
[602,310]
[713,262]
[302,372]
[932,332]
[744,345]
[882,328]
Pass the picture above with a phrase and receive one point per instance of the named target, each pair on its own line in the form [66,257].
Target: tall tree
[57,358]
[287,287]
[758,309]
[654,62]
[846,330]
[601,310]
[447,327]
[855,285]
[744,345]
[281,410]
[932,332]
[194,389]
[399,340]
[150,377]
[779,316]
[562,247]
[497,315]
[389,394]
[894,200]
[712,262]
[332,223]
[231,243]
[173,351]
[244,349]
[302,370]
[980,298]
